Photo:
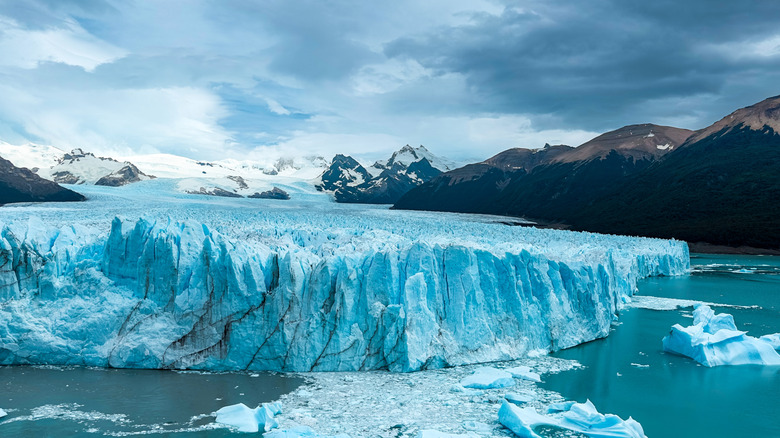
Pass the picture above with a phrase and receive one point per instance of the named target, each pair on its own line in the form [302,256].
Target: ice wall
[166,294]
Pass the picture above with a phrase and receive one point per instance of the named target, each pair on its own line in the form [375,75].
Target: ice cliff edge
[166,294]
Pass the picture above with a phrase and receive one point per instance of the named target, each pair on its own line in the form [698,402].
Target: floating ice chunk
[522,421]
[559,407]
[3,413]
[584,418]
[488,378]
[478,427]
[524,373]
[714,340]
[250,420]
[581,417]
[293,432]
[773,340]
[518,399]
[429,433]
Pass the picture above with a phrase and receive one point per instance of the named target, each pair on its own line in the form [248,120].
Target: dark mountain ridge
[19,184]
[719,185]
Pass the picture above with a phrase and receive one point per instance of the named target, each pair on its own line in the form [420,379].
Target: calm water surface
[89,402]
[628,373]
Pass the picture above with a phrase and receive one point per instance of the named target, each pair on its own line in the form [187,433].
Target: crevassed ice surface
[143,277]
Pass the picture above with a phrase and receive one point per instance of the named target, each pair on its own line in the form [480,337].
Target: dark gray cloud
[467,78]
[591,63]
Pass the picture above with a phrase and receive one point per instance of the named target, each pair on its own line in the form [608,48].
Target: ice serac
[301,294]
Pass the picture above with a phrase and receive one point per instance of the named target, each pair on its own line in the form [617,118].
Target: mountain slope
[550,183]
[721,187]
[18,184]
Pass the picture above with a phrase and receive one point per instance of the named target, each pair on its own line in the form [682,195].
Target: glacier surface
[140,278]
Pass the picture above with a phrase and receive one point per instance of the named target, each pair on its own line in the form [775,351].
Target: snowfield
[143,277]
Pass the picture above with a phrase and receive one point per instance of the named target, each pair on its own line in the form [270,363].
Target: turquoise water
[61,402]
[628,373]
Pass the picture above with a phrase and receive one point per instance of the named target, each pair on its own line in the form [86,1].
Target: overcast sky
[212,79]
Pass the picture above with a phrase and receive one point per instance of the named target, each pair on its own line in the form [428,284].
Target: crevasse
[166,294]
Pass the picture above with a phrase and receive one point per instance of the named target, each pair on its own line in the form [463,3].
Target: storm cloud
[466,78]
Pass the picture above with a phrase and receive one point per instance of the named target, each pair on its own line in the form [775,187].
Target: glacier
[186,282]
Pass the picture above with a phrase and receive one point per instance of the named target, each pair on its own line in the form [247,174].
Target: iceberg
[249,420]
[488,378]
[288,289]
[713,340]
[2,413]
[773,340]
[580,417]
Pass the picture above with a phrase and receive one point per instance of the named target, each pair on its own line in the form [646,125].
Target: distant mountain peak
[641,141]
[756,117]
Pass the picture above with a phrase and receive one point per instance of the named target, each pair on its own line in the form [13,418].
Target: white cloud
[388,76]
[276,108]
[69,44]
[179,120]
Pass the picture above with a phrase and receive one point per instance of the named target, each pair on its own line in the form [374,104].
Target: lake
[78,402]
[628,374]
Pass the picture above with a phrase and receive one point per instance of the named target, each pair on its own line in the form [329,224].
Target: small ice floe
[250,420]
[3,413]
[430,433]
[478,427]
[524,373]
[298,431]
[488,378]
[518,399]
[639,365]
[580,417]
[714,340]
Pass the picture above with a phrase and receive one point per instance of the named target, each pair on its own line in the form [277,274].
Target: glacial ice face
[306,293]
[714,340]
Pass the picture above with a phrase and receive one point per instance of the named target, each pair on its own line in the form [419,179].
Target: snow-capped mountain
[32,156]
[175,166]
[385,181]
[80,167]
[19,184]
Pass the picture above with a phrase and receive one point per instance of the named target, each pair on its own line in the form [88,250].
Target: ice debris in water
[436,434]
[298,431]
[488,378]
[524,373]
[250,420]
[580,417]
[714,340]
